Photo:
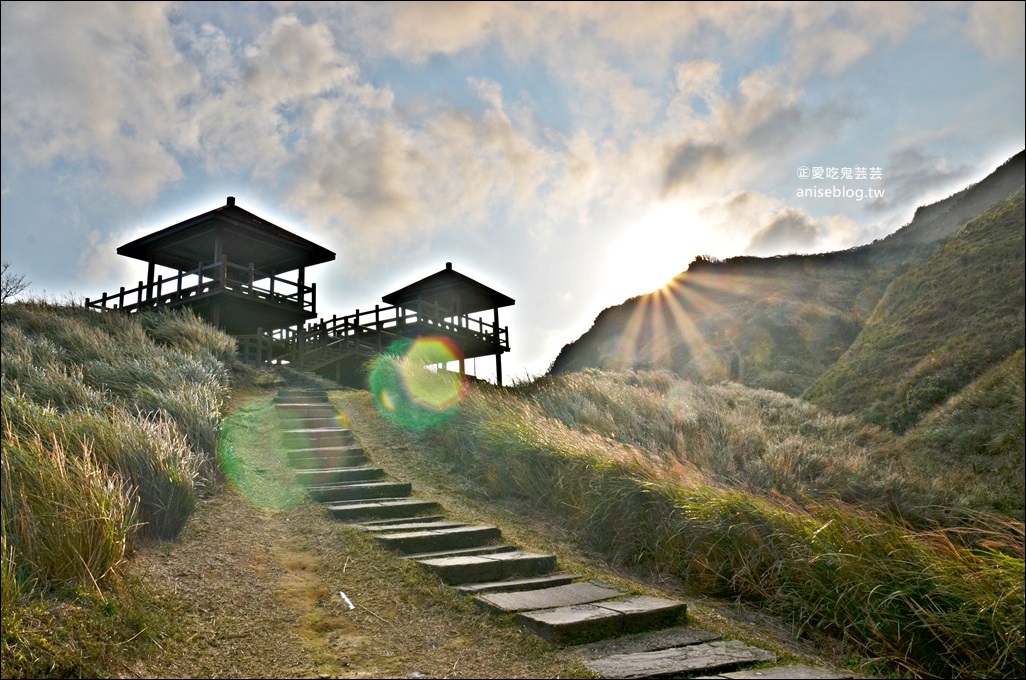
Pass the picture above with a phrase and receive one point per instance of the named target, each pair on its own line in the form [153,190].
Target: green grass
[940,326]
[973,444]
[744,494]
[109,435]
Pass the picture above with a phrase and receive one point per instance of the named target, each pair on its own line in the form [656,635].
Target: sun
[649,252]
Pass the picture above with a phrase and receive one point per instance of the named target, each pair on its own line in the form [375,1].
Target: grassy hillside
[109,432]
[940,326]
[746,494]
[778,323]
[974,444]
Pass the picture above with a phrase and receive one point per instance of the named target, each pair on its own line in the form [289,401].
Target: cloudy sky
[570,155]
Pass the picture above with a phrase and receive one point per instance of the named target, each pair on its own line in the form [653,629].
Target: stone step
[326,451]
[382,508]
[358,491]
[297,413]
[318,394]
[319,463]
[516,584]
[589,622]
[798,671]
[302,399]
[324,476]
[478,568]
[315,437]
[651,641]
[434,540]
[567,595]
[401,520]
[480,550]
[705,657]
[309,410]
[327,458]
[409,526]
[311,423]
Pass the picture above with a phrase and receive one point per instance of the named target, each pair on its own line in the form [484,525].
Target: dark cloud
[689,162]
[757,130]
[791,231]
[910,176]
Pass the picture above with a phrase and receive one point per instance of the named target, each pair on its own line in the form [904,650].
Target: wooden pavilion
[461,296]
[441,304]
[229,266]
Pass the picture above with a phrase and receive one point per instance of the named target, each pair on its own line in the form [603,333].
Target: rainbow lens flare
[410,394]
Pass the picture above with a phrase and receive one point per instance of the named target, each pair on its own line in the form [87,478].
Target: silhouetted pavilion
[229,265]
[460,296]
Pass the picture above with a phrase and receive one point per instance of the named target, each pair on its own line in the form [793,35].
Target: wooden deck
[270,317]
[367,333]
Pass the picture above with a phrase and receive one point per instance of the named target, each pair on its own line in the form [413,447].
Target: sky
[570,155]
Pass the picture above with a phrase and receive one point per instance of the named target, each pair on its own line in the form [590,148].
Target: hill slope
[942,324]
[777,323]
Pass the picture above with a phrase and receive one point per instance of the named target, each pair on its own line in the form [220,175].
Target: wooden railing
[372,331]
[207,279]
[407,321]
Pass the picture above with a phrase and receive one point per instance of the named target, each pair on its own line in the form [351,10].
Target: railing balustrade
[209,278]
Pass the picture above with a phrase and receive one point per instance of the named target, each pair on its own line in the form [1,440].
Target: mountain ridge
[785,322]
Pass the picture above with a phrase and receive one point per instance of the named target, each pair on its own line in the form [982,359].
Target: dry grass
[741,493]
[108,438]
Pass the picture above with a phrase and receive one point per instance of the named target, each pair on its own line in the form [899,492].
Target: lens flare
[410,394]
[437,391]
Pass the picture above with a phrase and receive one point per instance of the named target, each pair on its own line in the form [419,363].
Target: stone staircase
[617,634]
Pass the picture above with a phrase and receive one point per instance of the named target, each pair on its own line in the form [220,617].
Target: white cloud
[998,29]
[94,85]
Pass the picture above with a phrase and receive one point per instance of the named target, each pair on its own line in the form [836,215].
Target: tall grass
[741,493]
[69,521]
[110,428]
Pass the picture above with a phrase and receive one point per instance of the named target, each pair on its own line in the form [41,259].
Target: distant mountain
[855,331]
[941,220]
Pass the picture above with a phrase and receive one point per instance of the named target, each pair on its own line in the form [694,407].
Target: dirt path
[254,583]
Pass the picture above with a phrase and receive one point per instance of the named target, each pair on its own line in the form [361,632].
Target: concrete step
[383,508]
[480,550]
[567,595]
[324,451]
[798,671]
[516,584]
[309,410]
[358,491]
[313,422]
[478,568]
[326,458]
[411,526]
[311,392]
[291,399]
[324,476]
[705,657]
[651,641]
[579,624]
[401,520]
[434,540]
[296,413]
[315,437]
